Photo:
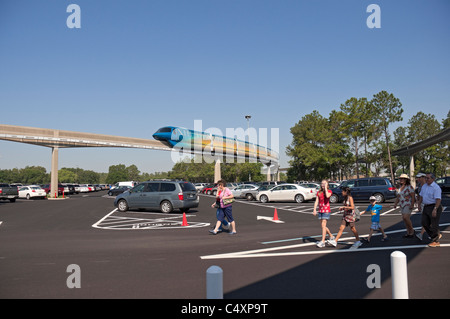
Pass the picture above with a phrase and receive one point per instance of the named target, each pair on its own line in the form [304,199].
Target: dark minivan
[444,183]
[162,195]
[363,188]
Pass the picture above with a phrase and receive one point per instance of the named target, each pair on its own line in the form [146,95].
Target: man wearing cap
[430,196]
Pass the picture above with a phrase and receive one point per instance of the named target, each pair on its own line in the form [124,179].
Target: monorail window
[165,130]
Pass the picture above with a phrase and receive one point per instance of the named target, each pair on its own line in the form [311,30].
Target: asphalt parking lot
[146,254]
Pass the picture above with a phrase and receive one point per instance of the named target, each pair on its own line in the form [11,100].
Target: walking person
[420,181]
[405,197]
[348,219]
[323,201]
[223,210]
[430,196]
[374,209]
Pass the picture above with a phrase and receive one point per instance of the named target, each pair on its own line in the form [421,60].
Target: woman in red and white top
[323,201]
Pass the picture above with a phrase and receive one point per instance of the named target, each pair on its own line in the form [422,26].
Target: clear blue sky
[135,66]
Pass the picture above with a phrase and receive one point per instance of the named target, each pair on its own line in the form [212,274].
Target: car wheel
[122,205]
[28,196]
[110,193]
[379,197]
[334,199]
[249,197]
[299,198]
[208,192]
[264,199]
[166,207]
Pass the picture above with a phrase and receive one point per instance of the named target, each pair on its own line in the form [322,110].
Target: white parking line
[268,252]
[133,223]
[106,216]
[316,252]
[388,211]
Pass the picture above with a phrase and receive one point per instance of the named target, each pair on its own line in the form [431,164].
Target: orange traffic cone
[184,220]
[275,215]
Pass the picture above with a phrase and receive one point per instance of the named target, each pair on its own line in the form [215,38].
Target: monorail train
[201,142]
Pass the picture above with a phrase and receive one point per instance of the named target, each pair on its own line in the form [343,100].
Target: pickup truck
[8,192]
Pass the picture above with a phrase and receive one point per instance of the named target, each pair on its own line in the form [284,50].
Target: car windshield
[348,184]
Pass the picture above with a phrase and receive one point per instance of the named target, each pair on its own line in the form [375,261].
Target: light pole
[248,117]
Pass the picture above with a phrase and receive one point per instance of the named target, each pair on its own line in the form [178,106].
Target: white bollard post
[399,275]
[214,283]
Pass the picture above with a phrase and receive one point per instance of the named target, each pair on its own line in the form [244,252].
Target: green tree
[117,173]
[401,140]
[434,158]
[34,175]
[132,173]
[355,123]
[307,149]
[387,110]
[67,176]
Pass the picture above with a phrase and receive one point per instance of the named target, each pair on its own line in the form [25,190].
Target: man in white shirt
[430,196]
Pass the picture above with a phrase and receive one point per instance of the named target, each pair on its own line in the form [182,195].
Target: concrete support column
[411,172]
[54,173]
[217,173]
[269,177]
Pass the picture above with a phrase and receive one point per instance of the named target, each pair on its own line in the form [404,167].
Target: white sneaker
[320,244]
[332,242]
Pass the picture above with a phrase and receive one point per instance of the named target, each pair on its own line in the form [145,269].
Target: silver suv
[163,195]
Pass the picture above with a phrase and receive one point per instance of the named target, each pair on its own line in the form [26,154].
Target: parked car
[163,195]
[208,189]
[364,188]
[252,193]
[199,186]
[48,188]
[444,183]
[285,192]
[230,186]
[83,188]
[8,192]
[69,188]
[31,191]
[312,190]
[241,190]
[127,183]
[311,185]
[118,190]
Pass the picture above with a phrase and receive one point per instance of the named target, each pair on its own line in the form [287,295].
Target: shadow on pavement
[338,275]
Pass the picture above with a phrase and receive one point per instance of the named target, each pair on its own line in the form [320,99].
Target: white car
[199,186]
[285,192]
[83,188]
[31,191]
[311,190]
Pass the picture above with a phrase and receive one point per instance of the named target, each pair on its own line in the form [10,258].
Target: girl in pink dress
[323,201]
